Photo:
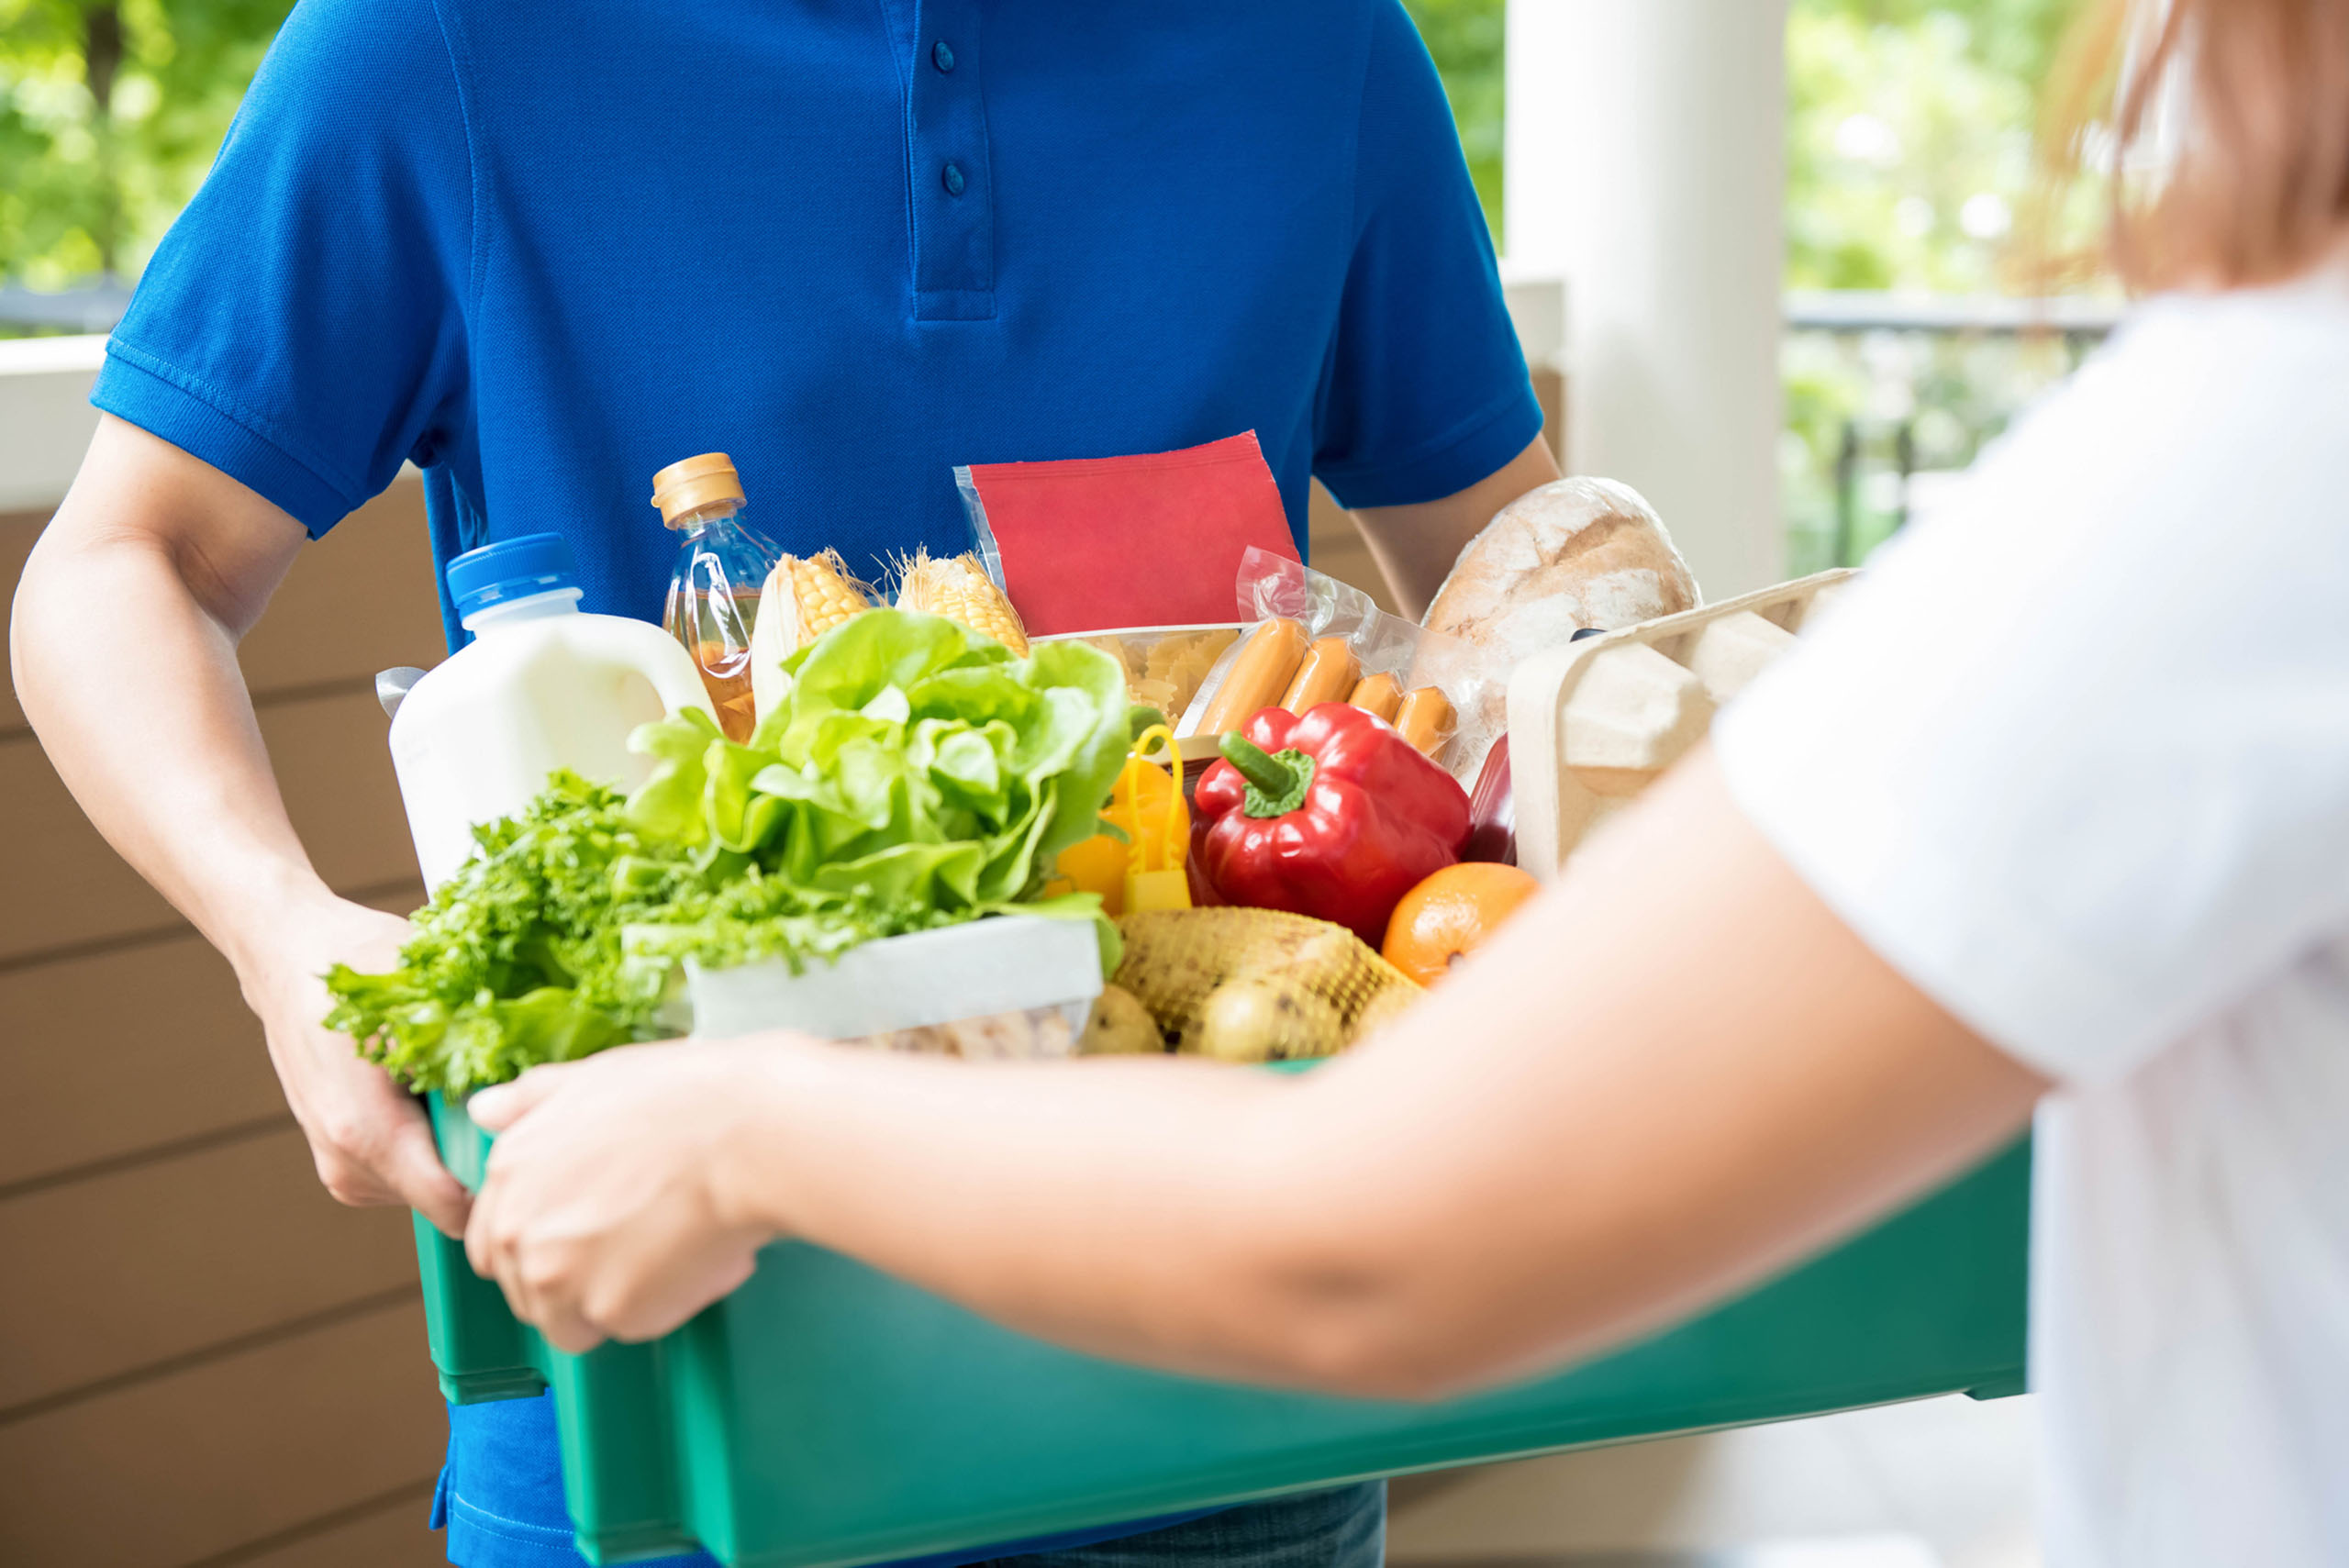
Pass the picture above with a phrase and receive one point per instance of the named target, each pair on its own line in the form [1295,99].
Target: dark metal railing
[2076,324]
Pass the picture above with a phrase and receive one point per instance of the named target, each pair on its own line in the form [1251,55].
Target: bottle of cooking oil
[722,561]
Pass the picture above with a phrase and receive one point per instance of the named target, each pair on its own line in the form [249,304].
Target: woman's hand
[608,1211]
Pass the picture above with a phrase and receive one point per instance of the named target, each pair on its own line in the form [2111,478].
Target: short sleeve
[301,328]
[2076,758]
[1425,392]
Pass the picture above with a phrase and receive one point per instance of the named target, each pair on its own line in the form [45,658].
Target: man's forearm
[146,717]
[1416,546]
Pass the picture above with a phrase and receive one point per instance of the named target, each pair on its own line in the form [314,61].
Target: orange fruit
[1453,914]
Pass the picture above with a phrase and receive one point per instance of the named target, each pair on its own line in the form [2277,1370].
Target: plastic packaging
[1149,540]
[1008,987]
[723,563]
[1262,669]
[1163,664]
[541,687]
[1308,628]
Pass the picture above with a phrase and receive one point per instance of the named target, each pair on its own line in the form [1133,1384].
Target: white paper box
[909,990]
[1591,724]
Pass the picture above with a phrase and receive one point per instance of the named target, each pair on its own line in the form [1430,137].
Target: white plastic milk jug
[541,687]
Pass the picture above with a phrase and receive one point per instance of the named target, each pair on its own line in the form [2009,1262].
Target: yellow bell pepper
[1094,865]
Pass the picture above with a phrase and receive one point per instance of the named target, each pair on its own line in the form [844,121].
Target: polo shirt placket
[951,179]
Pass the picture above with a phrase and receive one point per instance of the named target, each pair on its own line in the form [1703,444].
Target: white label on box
[1002,964]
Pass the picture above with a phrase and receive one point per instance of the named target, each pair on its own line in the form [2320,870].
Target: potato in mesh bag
[1119,1025]
[1257,985]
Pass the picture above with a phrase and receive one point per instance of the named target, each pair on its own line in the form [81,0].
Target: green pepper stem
[1258,766]
[1276,784]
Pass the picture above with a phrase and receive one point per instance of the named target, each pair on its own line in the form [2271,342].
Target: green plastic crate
[827,1414]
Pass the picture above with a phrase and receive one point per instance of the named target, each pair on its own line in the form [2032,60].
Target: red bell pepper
[1332,815]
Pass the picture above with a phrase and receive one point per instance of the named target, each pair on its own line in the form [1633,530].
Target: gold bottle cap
[685,490]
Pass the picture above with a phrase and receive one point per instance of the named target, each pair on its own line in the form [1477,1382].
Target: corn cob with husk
[805,597]
[959,588]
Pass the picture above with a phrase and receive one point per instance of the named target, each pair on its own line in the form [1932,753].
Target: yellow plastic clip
[1162,885]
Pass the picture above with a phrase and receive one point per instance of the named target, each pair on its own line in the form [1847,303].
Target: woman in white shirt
[2054,812]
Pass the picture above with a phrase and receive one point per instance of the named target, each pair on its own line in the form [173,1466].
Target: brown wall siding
[204,1361]
[359,600]
[230,1452]
[68,890]
[97,1085]
[145,1265]
[378,1533]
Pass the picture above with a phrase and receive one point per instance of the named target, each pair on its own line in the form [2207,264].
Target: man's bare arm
[1415,545]
[145,715]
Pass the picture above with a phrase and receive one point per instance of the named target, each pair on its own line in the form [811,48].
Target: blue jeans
[1343,1527]
[501,1500]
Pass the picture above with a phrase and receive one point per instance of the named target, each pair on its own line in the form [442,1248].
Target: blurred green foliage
[1466,37]
[1909,164]
[1908,144]
[1910,136]
[109,116]
[1951,392]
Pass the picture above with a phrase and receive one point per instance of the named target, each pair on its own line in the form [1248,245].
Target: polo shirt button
[941,56]
[952,178]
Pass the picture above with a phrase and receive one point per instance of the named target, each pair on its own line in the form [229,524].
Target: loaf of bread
[1579,553]
[1575,553]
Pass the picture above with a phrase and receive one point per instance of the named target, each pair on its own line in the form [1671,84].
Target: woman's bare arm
[123,643]
[1674,1074]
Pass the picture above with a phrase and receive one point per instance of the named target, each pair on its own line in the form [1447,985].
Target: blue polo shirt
[542,251]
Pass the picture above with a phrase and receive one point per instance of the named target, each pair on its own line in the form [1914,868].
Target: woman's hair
[2222,128]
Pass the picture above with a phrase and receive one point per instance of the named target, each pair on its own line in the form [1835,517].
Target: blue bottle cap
[510,569]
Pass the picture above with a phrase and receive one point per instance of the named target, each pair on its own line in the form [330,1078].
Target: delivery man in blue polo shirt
[542,251]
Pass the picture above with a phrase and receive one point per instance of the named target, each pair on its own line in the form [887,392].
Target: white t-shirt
[2076,761]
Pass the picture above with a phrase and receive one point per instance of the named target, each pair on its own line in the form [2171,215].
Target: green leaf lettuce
[914,775]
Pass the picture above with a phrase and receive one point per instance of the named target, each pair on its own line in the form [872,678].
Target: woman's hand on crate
[368,1137]
[608,1211]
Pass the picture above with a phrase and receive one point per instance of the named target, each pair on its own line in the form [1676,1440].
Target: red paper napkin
[1090,544]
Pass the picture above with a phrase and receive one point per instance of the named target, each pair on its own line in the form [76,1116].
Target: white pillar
[1646,165]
